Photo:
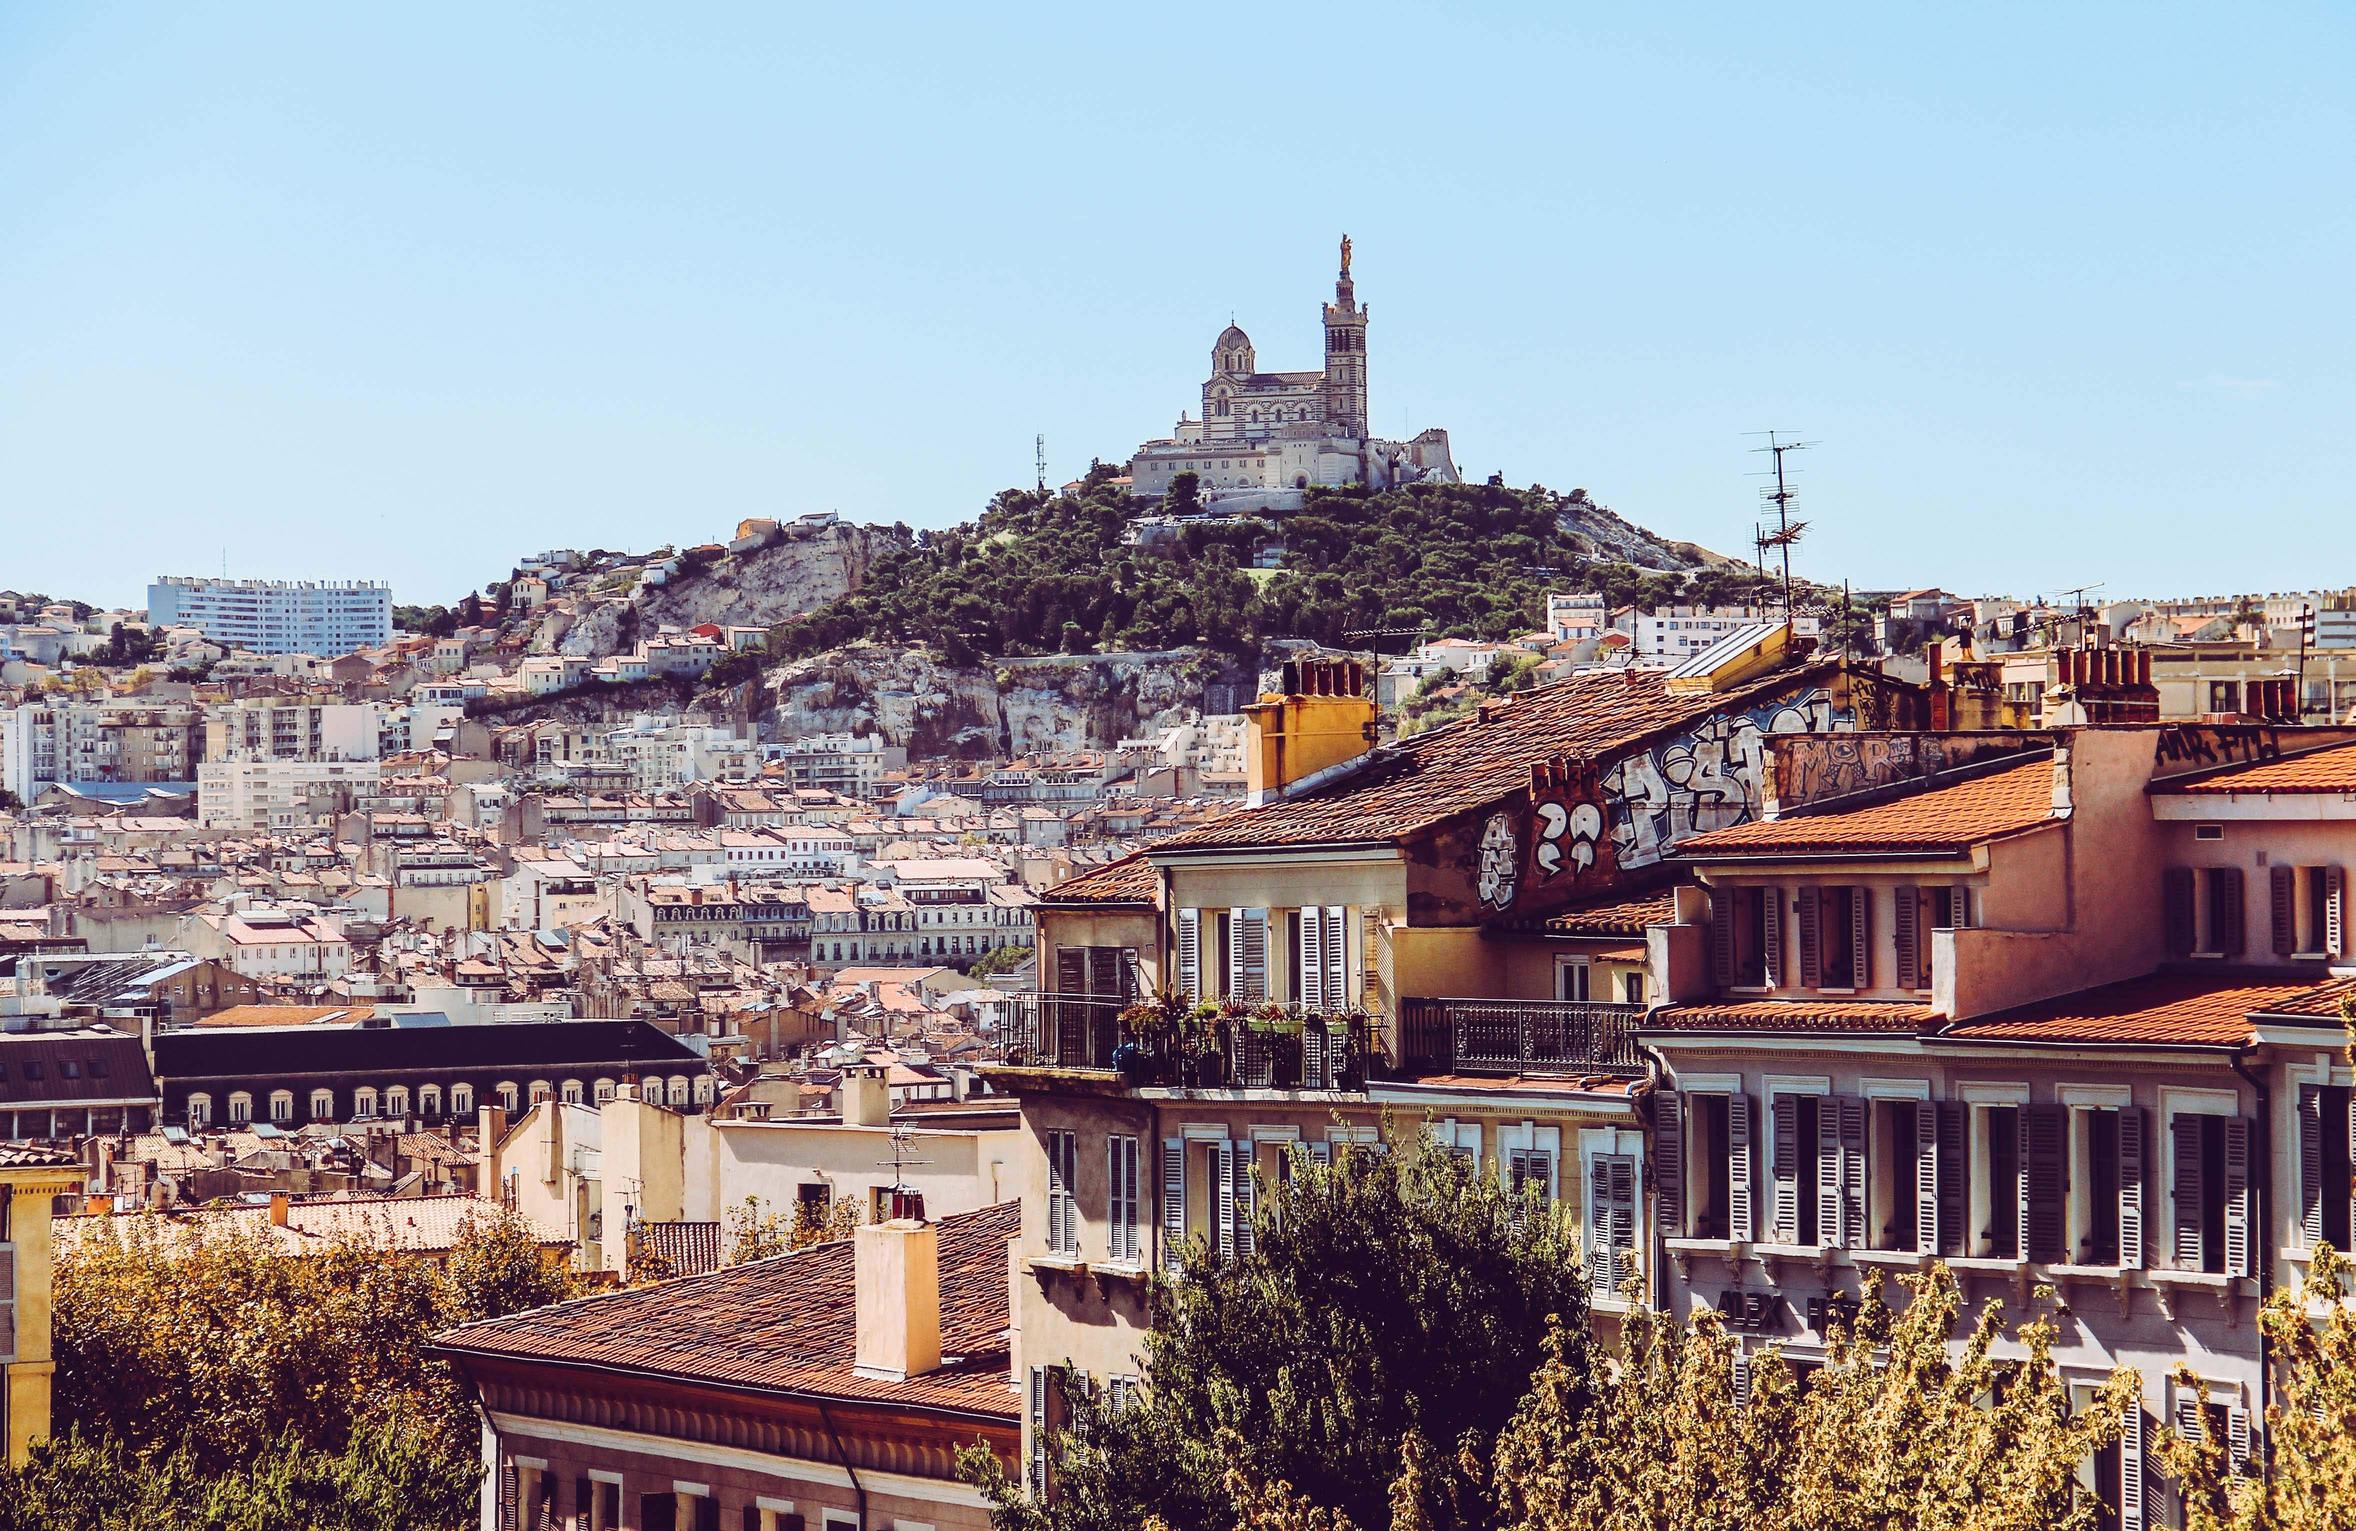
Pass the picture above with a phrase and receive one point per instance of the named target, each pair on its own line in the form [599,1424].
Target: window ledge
[1894,1257]
[1060,1265]
[1984,1265]
[1815,1252]
[2213,1281]
[1705,1246]
[1120,1270]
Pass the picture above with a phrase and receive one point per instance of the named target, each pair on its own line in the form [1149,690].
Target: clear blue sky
[2066,292]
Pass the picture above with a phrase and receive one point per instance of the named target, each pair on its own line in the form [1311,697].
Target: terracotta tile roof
[2321,1003]
[1456,768]
[1841,1015]
[783,1325]
[2183,1009]
[1617,917]
[1130,880]
[1947,820]
[33,1156]
[2326,770]
[685,1249]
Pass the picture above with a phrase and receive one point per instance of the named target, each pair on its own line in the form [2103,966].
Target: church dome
[1233,339]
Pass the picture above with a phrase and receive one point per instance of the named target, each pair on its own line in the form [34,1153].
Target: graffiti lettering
[1705,779]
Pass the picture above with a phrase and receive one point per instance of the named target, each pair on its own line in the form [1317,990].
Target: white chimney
[897,1267]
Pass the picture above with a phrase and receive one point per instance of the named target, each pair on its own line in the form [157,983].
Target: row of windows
[2051,1182]
[529,1496]
[431,1103]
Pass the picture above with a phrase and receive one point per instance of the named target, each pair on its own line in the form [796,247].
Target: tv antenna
[1039,448]
[1787,531]
[903,1139]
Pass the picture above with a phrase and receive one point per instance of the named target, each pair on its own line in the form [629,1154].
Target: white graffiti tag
[1497,873]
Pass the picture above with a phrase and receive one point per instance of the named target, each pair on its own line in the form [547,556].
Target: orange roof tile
[2166,1009]
[1942,820]
[2321,1003]
[783,1325]
[1130,880]
[1401,788]
[1842,1015]
[1614,917]
[2332,769]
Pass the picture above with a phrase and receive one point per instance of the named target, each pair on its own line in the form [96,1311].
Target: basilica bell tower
[1345,356]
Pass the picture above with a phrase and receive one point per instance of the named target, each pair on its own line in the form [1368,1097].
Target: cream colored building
[30,1180]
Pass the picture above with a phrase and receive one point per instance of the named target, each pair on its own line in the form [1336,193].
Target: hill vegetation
[1043,574]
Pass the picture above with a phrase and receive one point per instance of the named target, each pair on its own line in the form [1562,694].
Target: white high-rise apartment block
[276,616]
[283,765]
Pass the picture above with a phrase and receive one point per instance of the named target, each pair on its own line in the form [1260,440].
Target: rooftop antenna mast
[903,1138]
[1039,447]
[2079,608]
[1787,531]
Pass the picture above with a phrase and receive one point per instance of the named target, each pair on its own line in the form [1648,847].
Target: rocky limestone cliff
[997,708]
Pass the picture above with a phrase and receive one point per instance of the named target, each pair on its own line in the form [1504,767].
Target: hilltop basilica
[1266,436]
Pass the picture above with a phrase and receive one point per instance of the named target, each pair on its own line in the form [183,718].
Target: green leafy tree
[1390,1311]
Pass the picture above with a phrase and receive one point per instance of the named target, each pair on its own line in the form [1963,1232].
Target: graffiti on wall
[1570,840]
[2218,744]
[1498,877]
[1840,764]
[1707,778]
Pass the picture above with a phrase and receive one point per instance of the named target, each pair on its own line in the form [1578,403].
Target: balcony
[1162,1043]
[1518,1036]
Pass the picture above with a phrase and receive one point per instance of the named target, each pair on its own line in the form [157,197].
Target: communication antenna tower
[1787,531]
[1039,447]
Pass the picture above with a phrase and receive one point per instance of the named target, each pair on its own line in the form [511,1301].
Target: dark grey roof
[243,1052]
[45,1067]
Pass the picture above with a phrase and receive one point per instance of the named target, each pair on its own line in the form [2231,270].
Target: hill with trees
[1071,573]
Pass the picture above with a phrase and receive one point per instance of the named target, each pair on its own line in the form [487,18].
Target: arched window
[364,1107]
[323,1105]
[462,1100]
[508,1095]
[396,1101]
[200,1111]
[540,1091]
[429,1101]
[678,1090]
[241,1108]
[570,1092]
[703,1089]
[282,1107]
[604,1091]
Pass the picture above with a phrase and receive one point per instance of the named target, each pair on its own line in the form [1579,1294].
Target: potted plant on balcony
[1202,1050]
[1276,1037]
[1149,1038]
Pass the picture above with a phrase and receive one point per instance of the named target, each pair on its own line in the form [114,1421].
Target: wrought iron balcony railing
[1518,1036]
[1262,1047]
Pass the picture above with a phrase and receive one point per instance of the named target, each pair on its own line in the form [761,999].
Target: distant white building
[276,616]
[1674,632]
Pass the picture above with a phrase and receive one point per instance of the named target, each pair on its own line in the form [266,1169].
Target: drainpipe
[2263,1153]
[858,1490]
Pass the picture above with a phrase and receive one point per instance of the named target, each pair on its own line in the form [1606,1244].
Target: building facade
[276,616]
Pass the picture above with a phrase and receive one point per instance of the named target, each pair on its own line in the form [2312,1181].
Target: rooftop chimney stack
[1323,718]
[897,1267]
[866,1095]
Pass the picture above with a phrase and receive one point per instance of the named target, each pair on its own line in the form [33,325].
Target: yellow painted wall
[28,1377]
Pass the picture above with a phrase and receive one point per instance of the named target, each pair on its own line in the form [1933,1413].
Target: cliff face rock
[801,570]
[997,708]
[1605,533]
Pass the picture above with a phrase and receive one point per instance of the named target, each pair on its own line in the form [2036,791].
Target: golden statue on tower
[1345,255]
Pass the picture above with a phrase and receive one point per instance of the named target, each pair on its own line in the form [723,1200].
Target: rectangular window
[1572,978]
[2324,1164]
[1891,1198]
[1711,1194]
[1837,912]
[1124,1231]
[1996,1204]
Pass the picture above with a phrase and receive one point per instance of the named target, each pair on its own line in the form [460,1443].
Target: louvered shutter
[1071,970]
[1623,1219]
[508,1518]
[1038,1411]
[1811,974]
[1723,906]
[1337,958]
[1321,1153]
[1601,1279]
[1905,918]
[1247,1195]
[1173,1202]
[1828,1172]
[2044,1142]
[1954,1174]
[1783,1162]
[1668,1163]
[2238,1198]
[1960,916]
[2192,1416]
[2311,1164]
[1853,1171]
[7,1302]
[1309,959]
[1059,1193]
[2285,908]
[2185,1135]
[2233,940]
[1860,937]
[1190,954]
[1771,967]
[584,1490]
[2133,1171]
[2334,922]
[1742,1377]
[2131,1512]
[1926,1168]
[2237,1436]
[1738,1170]
[1247,976]
[1313,1056]
[1223,1156]
[2176,885]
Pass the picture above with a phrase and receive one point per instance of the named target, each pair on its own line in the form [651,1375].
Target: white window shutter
[1190,954]
[2131,1512]
[1173,1202]
[1602,1280]
[1926,1165]
[1247,1195]
[2185,1140]
[1321,1152]
[7,1302]
[1309,960]
[1738,1172]
[2237,1436]
[1828,1172]
[1038,1413]
[1742,1377]
[1783,1216]
[1247,954]
[2334,919]
[1853,1170]
[1905,921]
[1861,937]
[1337,958]
[1771,935]
[2311,1164]
[1223,1155]
[2134,1156]
[1668,1163]
[2238,1196]
[1623,1219]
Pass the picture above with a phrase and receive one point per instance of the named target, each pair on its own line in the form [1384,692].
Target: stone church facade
[1266,437]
